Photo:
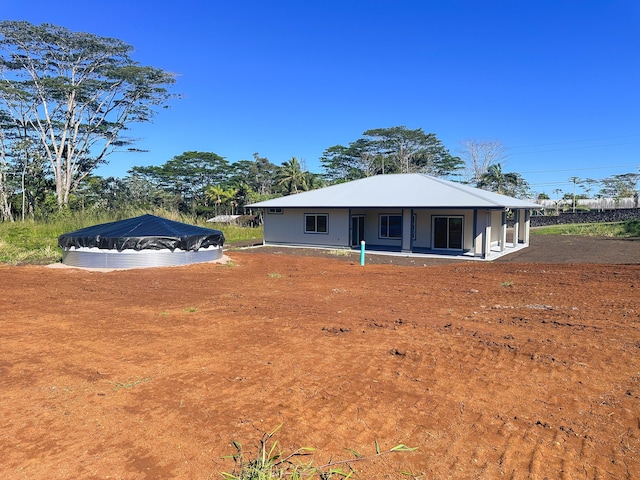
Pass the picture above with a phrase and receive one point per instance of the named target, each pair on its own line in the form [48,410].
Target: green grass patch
[235,233]
[584,229]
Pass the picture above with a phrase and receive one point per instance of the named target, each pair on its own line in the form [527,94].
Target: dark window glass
[310,223]
[316,223]
[321,226]
[384,226]
[390,226]
[440,232]
[395,226]
[455,233]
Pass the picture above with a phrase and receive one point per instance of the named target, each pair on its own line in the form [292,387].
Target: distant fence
[591,203]
[592,216]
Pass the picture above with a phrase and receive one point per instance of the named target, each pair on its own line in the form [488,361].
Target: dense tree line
[206,184]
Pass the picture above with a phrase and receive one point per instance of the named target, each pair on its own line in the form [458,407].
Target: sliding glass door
[447,233]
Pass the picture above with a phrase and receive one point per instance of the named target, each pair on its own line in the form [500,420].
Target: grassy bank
[37,242]
[630,228]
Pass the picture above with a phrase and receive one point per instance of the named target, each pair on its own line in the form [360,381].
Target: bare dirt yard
[527,367]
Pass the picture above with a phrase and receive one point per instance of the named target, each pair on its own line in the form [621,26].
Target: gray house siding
[288,227]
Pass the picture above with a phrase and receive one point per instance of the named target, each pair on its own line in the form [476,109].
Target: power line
[584,168]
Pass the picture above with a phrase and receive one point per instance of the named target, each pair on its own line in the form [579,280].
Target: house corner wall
[482,240]
[406,230]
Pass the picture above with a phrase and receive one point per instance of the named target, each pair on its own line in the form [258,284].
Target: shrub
[271,463]
[632,228]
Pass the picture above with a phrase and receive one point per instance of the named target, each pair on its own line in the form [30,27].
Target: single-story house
[411,213]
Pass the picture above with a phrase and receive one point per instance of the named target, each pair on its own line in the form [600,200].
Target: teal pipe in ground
[362,253]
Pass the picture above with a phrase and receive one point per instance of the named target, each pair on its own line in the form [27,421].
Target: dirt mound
[514,370]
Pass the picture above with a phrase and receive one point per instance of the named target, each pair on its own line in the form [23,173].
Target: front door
[447,233]
[357,230]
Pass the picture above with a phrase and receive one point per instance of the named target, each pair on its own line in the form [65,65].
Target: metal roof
[407,190]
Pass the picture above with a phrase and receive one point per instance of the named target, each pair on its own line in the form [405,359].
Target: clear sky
[556,81]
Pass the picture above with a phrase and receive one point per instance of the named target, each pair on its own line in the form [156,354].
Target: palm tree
[504,183]
[291,177]
[221,196]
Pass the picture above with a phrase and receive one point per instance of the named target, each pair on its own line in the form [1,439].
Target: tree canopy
[389,150]
[71,95]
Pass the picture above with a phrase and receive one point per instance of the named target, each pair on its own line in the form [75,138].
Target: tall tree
[496,180]
[259,175]
[624,185]
[144,190]
[479,155]
[5,206]
[291,177]
[588,184]
[344,164]
[31,168]
[575,180]
[407,151]
[188,175]
[219,196]
[263,175]
[389,150]
[74,93]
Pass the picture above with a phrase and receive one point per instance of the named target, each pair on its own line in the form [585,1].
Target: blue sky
[557,82]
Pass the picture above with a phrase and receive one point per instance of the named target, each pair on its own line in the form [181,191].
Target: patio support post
[503,231]
[406,230]
[486,243]
[477,234]
[526,224]
[516,228]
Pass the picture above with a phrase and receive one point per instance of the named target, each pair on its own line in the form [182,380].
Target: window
[316,223]
[272,211]
[390,226]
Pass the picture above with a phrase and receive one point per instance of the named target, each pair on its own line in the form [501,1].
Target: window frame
[380,225]
[275,211]
[315,223]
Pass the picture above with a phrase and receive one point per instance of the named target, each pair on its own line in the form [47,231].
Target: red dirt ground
[511,369]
